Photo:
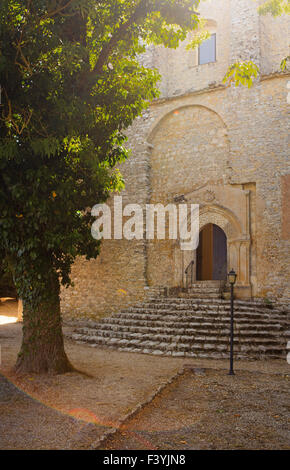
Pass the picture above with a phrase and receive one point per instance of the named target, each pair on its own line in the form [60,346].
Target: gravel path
[207,409]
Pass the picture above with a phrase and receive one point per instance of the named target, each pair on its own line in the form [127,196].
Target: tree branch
[59,9]
[139,13]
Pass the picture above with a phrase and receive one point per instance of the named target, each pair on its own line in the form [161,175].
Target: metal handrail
[188,270]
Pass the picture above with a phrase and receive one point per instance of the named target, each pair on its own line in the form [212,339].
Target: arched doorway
[211,254]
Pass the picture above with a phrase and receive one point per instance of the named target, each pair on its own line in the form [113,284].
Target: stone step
[162,313]
[208,303]
[194,330]
[170,337]
[211,313]
[200,295]
[187,317]
[204,304]
[206,284]
[245,302]
[199,348]
[184,343]
[196,290]
[191,329]
[201,289]
[210,307]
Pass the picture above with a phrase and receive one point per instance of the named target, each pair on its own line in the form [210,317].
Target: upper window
[207,51]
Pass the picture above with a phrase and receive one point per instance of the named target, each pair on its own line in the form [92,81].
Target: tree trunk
[42,349]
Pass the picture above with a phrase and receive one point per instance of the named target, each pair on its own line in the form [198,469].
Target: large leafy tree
[71,84]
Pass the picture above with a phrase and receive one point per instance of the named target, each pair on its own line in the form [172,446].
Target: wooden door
[211,256]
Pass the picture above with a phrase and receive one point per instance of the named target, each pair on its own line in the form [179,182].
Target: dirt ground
[73,411]
[211,410]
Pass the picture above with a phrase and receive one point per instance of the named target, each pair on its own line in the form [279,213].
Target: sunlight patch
[4,320]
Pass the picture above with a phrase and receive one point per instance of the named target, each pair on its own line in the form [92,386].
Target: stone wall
[198,134]
[180,73]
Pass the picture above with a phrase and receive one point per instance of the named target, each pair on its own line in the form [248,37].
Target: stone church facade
[201,142]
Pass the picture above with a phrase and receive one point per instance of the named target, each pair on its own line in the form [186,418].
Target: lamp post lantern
[232,277]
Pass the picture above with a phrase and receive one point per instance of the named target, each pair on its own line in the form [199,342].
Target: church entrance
[211,254]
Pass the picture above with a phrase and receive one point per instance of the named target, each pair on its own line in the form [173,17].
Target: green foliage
[71,83]
[244,73]
[275,7]
[241,73]
[285,64]
[198,38]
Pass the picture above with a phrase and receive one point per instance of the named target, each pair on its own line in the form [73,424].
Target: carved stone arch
[218,215]
[222,217]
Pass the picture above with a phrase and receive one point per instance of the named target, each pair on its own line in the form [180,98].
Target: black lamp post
[232,277]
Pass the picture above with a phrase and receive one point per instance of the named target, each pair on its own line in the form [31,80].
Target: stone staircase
[193,322]
[202,290]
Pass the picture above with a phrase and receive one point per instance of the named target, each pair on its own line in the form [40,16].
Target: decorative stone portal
[211,254]
[229,211]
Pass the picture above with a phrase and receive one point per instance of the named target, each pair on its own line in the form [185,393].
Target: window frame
[212,61]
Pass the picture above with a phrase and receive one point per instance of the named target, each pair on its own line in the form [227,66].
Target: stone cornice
[219,87]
